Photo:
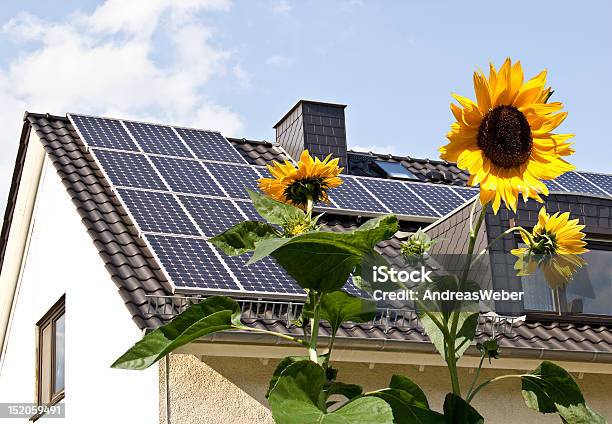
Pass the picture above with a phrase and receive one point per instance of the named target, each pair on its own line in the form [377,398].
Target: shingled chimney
[316,126]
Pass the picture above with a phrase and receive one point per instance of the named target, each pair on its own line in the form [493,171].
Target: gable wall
[61,258]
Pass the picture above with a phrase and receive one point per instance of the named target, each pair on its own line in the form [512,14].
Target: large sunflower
[554,246]
[504,139]
[309,180]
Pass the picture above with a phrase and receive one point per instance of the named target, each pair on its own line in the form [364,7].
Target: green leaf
[580,414]
[322,260]
[349,391]
[339,306]
[407,409]
[284,363]
[466,330]
[273,211]
[401,382]
[241,238]
[458,411]
[216,313]
[298,398]
[550,388]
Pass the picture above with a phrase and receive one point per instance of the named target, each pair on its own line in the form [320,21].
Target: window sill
[57,399]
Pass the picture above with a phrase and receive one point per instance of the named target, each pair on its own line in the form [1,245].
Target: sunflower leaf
[216,313]
[322,260]
[273,211]
[241,238]
[549,389]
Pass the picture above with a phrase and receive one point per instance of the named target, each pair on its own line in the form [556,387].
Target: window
[395,170]
[51,331]
[590,291]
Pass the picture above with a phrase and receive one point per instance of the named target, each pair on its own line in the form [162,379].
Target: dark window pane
[590,292]
[59,355]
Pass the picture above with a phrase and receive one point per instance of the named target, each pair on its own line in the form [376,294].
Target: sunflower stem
[451,355]
[314,330]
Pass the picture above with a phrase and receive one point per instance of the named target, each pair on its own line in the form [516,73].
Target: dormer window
[395,170]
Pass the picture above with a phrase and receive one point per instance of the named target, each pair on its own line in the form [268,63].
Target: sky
[238,66]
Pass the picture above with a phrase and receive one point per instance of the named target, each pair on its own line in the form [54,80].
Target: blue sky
[238,66]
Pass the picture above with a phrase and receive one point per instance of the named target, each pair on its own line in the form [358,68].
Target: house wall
[230,390]
[62,259]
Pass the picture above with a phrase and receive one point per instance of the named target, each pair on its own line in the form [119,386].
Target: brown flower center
[504,136]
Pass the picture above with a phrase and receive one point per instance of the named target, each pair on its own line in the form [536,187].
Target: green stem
[451,356]
[330,347]
[314,330]
[501,377]
[505,233]
[477,373]
[273,333]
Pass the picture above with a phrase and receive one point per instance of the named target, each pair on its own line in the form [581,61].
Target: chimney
[316,126]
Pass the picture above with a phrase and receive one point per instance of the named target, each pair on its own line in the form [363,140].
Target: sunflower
[310,180]
[504,139]
[554,246]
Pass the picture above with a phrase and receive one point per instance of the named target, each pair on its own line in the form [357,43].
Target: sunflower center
[504,136]
[300,191]
[544,244]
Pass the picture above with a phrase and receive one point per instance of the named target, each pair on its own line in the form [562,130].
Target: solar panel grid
[100,132]
[398,197]
[465,192]
[213,216]
[186,176]
[603,181]
[157,139]
[191,263]
[264,276]
[351,195]
[234,178]
[575,183]
[553,185]
[157,212]
[440,198]
[128,169]
[210,145]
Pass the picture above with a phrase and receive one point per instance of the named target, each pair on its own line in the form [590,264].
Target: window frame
[573,317]
[49,318]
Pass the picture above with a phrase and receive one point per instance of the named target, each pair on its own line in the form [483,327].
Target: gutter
[367,350]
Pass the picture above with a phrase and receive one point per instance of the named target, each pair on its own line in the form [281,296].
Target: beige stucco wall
[224,390]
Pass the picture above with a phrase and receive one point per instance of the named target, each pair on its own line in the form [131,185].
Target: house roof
[136,273]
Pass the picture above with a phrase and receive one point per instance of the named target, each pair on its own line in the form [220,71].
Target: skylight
[395,170]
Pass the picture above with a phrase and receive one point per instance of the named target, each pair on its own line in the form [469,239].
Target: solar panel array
[181,186]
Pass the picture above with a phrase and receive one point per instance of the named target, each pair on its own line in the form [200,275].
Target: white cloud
[243,77]
[107,63]
[281,7]
[279,60]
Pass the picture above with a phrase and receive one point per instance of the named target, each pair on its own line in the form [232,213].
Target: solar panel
[210,145]
[157,139]
[157,212]
[467,193]
[398,197]
[191,263]
[575,183]
[186,176]
[441,198]
[264,276]
[100,132]
[604,181]
[553,186]
[351,195]
[129,169]
[213,216]
[249,210]
[234,178]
